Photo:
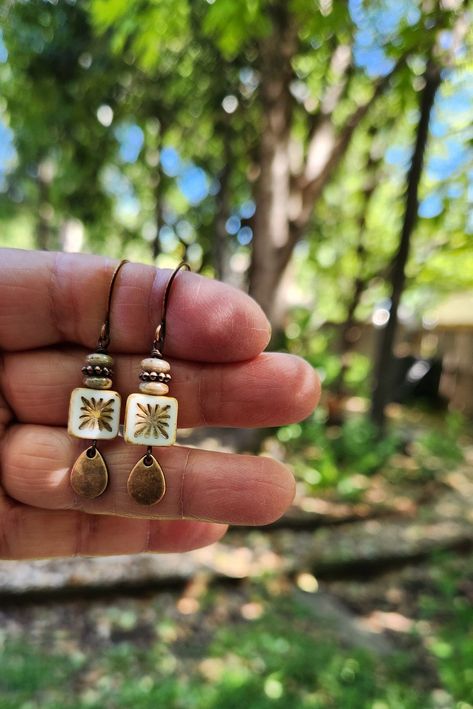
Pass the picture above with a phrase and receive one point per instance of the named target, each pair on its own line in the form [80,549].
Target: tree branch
[342,69]
[326,149]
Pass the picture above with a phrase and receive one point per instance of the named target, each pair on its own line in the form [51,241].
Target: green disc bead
[99,358]
[97,382]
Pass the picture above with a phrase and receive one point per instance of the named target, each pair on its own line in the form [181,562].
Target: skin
[51,311]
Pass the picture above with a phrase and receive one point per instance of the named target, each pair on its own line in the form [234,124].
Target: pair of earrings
[150,415]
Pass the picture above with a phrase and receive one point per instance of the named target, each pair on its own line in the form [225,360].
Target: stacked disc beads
[94,414]
[155,376]
[98,371]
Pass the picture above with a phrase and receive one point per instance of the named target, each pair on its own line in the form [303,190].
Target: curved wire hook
[104,339]
[158,343]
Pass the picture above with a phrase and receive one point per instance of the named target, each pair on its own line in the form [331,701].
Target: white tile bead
[150,420]
[94,414]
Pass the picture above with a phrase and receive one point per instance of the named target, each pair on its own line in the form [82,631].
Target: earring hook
[158,343]
[104,339]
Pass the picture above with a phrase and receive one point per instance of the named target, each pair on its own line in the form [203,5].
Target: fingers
[38,386]
[48,298]
[29,533]
[218,487]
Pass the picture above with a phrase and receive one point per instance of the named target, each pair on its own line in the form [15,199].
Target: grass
[274,663]
[283,658]
[213,656]
[448,609]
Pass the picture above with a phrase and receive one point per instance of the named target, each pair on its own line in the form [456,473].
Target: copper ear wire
[95,410]
[158,342]
[104,339]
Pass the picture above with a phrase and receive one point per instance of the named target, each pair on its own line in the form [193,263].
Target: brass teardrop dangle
[94,412]
[89,476]
[146,484]
[151,416]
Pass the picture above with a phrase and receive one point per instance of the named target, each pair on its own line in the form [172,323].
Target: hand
[51,311]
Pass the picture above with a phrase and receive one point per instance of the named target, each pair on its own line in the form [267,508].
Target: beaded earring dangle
[151,416]
[94,411]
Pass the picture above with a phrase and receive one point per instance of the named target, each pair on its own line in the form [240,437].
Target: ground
[355,599]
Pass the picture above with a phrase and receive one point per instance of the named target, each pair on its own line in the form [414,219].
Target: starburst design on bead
[97,413]
[152,420]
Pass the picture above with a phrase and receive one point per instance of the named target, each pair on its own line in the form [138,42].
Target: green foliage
[357,376]
[52,101]
[232,24]
[359,446]
[279,660]
[438,449]
[148,29]
[330,456]
[447,607]
[105,12]
[338,457]
[166,70]
[166,67]
[289,655]
[29,673]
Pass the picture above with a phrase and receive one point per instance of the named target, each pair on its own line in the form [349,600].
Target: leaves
[169,70]
[233,25]
[147,29]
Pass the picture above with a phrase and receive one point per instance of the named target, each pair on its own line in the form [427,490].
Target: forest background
[316,154]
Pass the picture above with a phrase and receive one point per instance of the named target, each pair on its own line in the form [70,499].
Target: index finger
[47,298]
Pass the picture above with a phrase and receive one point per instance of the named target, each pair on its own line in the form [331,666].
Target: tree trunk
[221,243]
[285,202]
[271,221]
[362,278]
[43,232]
[158,177]
[43,227]
[346,342]
[384,360]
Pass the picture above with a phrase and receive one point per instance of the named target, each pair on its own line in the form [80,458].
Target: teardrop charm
[146,484]
[89,476]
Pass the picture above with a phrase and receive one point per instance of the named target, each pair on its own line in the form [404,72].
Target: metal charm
[146,484]
[89,475]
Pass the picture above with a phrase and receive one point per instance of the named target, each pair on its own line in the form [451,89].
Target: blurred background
[317,154]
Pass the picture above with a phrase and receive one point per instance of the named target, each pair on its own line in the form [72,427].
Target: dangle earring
[151,416]
[94,412]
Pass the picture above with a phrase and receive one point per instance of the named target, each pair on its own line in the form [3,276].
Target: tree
[383,371]
[383,368]
[311,97]
[264,100]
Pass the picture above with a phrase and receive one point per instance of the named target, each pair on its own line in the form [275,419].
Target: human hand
[51,311]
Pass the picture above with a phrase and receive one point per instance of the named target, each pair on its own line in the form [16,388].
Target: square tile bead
[150,420]
[94,413]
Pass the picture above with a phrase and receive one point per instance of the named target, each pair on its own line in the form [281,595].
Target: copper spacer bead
[97,371]
[146,376]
